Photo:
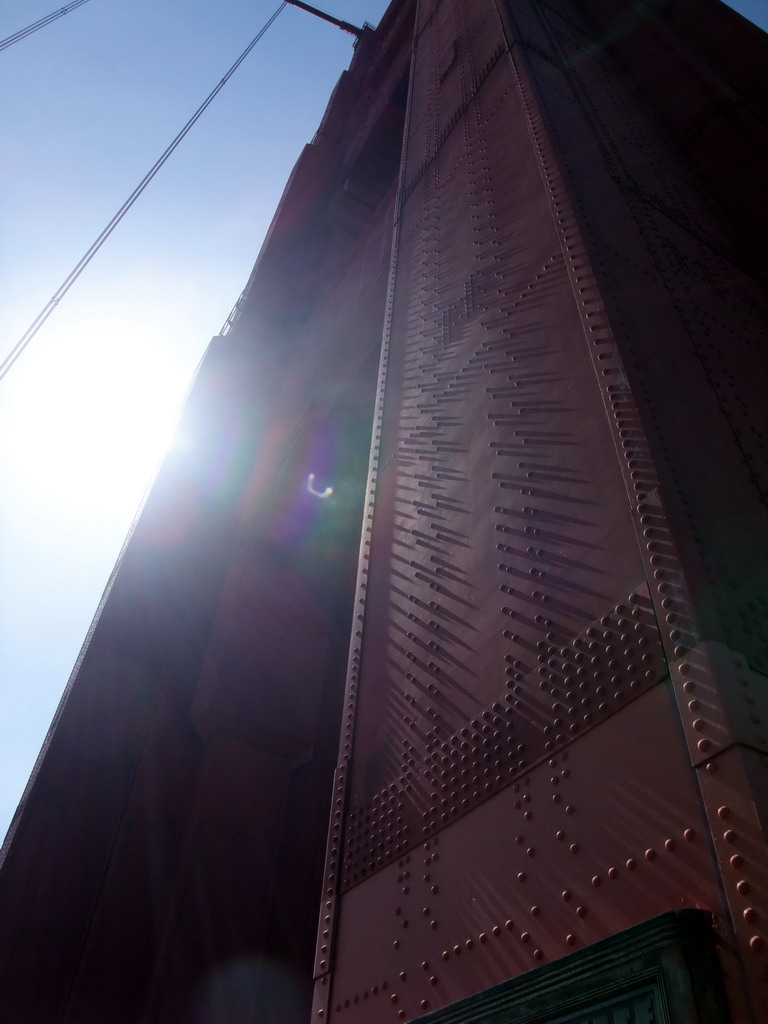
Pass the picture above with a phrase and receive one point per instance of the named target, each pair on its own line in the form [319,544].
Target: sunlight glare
[98,418]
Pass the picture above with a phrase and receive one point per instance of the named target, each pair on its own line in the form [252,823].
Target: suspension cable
[16,37]
[88,255]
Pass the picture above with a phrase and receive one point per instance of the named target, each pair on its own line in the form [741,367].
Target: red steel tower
[528,245]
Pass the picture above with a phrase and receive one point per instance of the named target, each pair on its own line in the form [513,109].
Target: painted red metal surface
[555,722]
[165,865]
[513,782]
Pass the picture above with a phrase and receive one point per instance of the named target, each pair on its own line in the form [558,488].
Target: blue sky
[87,105]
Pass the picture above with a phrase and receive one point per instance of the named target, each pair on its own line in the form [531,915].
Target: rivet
[756,943]
[525,937]
[724,812]
[495,930]
[631,864]
[749,914]
[736,860]
[596,880]
[574,847]
[669,844]
[743,886]
[613,873]
[689,835]
[538,954]
[570,940]
[581,911]
[650,854]
[729,835]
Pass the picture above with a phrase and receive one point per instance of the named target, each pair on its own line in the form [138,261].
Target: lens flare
[313,490]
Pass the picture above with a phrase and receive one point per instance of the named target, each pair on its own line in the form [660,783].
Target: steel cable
[88,255]
[16,37]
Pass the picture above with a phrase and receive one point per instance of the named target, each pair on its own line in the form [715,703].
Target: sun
[97,417]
